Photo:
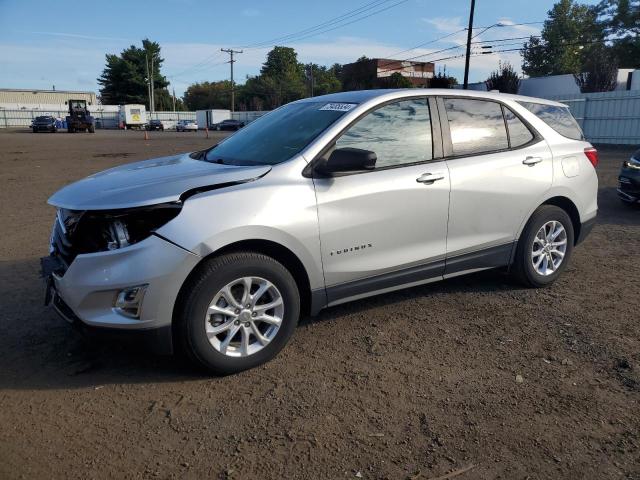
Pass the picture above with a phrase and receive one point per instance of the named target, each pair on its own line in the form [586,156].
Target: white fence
[106,118]
[607,117]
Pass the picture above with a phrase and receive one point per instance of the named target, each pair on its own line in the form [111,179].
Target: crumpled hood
[150,182]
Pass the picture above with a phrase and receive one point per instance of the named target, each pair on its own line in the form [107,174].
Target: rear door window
[519,133]
[558,118]
[477,126]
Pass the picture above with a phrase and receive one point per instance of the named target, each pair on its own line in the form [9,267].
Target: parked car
[45,123]
[323,201]
[154,125]
[186,125]
[229,124]
[629,180]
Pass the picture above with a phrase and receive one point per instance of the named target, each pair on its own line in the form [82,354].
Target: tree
[324,79]
[396,80]
[358,75]
[567,37]
[206,95]
[621,22]
[124,78]
[442,80]
[505,79]
[282,77]
[601,72]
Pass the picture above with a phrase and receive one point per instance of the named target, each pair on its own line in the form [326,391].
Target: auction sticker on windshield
[339,107]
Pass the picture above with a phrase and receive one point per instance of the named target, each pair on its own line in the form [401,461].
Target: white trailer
[208,118]
[132,116]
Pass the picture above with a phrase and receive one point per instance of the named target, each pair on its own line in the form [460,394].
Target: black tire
[70,129]
[523,269]
[92,129]
[35,130]
[210,278]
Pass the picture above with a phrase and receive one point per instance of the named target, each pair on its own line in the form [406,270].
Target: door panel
[491,191]
[491,194]
[383,221]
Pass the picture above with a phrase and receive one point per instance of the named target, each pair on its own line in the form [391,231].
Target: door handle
[429,178]
[531,161]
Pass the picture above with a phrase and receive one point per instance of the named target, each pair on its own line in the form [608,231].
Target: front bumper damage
[85,293]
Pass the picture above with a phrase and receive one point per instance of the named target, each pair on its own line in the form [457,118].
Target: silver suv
[322,201]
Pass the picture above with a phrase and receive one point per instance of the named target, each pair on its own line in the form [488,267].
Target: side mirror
[347,160]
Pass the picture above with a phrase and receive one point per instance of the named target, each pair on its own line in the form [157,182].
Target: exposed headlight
[101,230]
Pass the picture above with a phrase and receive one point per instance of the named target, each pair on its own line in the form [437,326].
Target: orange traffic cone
[146,135]
[206,129]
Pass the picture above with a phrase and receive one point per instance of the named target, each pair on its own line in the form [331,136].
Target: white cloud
[445,24]
[251,12]
[76,35]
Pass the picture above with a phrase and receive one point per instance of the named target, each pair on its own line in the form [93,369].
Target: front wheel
[238,311]
[544,248]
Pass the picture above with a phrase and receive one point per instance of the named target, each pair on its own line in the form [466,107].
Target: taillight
[592,155]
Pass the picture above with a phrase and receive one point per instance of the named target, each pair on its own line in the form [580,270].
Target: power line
[306,33]
[485,28]
[349,14]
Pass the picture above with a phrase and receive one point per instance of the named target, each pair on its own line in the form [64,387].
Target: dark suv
[155,125]
[229,124]
[44,123]
[629,180]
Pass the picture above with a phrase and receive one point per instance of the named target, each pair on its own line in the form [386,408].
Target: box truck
[132,116]
[208,118]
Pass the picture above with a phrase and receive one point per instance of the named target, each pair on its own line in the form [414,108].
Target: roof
[362,96]
[45,91]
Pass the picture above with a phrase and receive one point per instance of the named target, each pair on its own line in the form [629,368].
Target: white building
[554,85]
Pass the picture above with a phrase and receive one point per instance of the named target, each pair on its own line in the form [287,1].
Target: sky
[63,43]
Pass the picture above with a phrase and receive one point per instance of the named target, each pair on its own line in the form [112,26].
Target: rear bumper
[585,229]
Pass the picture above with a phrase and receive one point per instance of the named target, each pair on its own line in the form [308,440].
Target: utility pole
[174,99]
[153,93]
[231,51]
[311,79]
[469,36]
[146,64]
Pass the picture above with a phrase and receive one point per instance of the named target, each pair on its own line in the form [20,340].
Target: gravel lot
[415,384]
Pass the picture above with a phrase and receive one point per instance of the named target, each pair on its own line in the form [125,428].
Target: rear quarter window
[558,118]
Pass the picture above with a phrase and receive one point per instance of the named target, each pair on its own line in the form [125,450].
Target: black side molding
[387,280]
[585,230]
[492,257]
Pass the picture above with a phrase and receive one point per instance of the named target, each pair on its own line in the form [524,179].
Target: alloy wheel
[244,316]
[549,248]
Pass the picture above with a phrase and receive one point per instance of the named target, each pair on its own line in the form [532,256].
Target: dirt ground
[410,385]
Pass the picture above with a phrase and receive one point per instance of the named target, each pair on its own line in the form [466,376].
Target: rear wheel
[238,311]
[544,248]
[92,129]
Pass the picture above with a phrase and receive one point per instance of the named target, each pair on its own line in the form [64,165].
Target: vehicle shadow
[42,351]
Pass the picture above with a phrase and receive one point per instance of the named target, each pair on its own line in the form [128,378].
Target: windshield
[277,136]
[43,119]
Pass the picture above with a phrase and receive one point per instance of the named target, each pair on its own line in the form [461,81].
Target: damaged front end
[77,232]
